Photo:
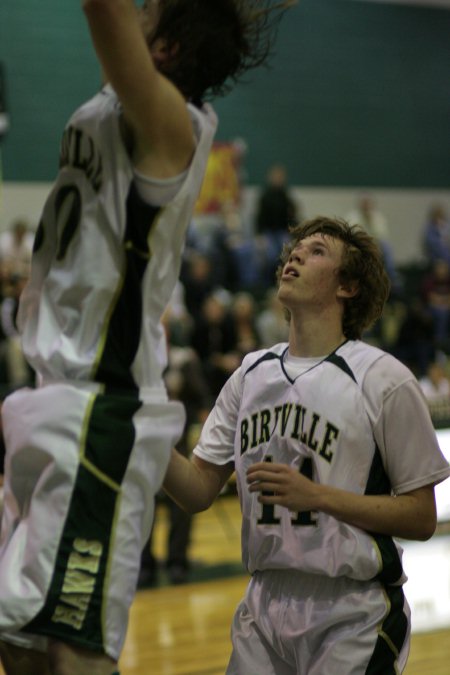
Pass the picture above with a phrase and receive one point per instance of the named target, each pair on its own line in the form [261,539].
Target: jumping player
[88,448]
[335,454]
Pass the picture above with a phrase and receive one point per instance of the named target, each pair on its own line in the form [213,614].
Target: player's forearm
[119,42]
[192,488]
[183,484]
[409,516]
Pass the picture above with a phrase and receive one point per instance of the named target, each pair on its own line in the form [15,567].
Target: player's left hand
[285,486]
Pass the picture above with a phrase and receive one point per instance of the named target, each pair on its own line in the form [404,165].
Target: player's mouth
[290,272]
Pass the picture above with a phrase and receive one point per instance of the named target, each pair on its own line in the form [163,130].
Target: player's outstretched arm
[155,109]
[193,483]
[410,516]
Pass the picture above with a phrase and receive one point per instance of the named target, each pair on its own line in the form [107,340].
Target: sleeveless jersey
[105,262]
[325,424]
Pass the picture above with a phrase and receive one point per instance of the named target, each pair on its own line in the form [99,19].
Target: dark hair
[362,263]
[216,41]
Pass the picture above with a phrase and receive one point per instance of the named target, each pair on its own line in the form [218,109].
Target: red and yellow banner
[221,184]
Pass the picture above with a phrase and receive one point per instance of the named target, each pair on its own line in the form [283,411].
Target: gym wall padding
[357,93]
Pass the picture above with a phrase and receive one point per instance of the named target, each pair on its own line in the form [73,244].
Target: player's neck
[309,339]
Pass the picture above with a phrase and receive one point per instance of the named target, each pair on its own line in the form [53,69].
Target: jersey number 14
[303,517]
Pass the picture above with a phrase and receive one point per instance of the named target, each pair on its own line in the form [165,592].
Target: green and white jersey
[105,260]
[355,420]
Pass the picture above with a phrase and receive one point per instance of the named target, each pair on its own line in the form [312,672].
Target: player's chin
[285,290]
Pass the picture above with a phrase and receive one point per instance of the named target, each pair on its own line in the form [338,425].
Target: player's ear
[161,53]
[348,289]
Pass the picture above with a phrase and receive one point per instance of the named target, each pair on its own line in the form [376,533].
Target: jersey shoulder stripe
[268,356]
[340,363]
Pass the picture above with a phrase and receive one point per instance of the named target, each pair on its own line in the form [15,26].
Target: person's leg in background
[148,574]
[19,661]
[176,560]
[178,544]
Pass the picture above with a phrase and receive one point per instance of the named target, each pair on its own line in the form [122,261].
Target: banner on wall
[221,185]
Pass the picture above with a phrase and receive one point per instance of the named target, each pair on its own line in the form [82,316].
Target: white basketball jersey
[325,425]
[106,262]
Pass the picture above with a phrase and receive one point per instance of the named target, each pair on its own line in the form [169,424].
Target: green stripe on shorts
[73,609]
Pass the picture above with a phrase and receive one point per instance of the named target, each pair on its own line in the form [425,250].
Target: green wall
[358,93]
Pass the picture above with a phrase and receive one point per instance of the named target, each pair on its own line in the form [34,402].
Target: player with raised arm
[335,456]
[88,448]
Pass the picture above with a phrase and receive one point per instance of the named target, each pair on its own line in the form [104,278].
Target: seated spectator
[435,384]
[177,320]
[436,236]
[243,311]
[2,463]
[198,282]
[220,252]
[436,292]
[249,264]
[369,217]
[16,246]
[215,341]
[246,256]
[271,321]
[414,345]
[214,238]
[185,382]
[17,371]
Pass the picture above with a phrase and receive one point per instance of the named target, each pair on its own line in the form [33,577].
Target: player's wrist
[324,498]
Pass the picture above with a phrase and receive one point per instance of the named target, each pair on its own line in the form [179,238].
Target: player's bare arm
[154,108]
[411,515]
[193,483]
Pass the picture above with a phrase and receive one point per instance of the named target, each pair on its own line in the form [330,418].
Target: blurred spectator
[244,310]
[16,246]
[2,462]
[436,292]
[215,341]
[198,282]
[369,217]
[387,328]
[247,255]
[276,211]
[18,372]
[271,320]
[212,240]
[220,253]
[436,235]
[185,382]
[435,384]
[177,320]
[415,344]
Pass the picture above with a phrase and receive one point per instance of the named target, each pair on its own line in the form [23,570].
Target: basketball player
[88,448]
[335,455]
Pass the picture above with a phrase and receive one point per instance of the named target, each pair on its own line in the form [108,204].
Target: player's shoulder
[260,356]
[100,101]
[202,117]
[375,368]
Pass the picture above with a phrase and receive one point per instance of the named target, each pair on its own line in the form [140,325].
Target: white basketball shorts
[290,623]
[81,472]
